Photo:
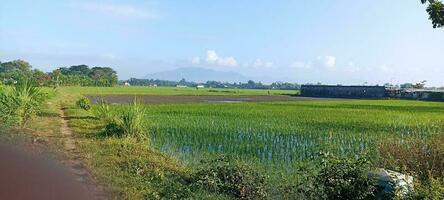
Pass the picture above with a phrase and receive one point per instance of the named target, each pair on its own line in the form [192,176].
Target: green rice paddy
[282,133]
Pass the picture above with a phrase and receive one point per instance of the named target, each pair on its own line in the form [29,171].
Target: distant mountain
[197,75]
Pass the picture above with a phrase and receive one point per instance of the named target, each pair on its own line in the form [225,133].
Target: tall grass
[21,102]
[128,122]
[102,112]
[421,157]
[131,121]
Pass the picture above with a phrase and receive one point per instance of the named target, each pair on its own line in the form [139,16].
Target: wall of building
[365,92]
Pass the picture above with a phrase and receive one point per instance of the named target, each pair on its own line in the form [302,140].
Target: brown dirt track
[29,176]
[166,99]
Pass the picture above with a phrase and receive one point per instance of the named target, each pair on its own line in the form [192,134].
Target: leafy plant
[112,129]
[131,121]
[433,189]
[344,178]
[83,103]
[231,177]
[103,112]
[21,102]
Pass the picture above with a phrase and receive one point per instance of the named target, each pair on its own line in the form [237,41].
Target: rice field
[189,91]
[284,133]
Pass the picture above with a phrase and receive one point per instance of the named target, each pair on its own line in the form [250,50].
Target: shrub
[83,103]
[423,158]
[22,102]
[130,123]
[298,185]
[433,189]
[112,129]
[344,178]
[230,177]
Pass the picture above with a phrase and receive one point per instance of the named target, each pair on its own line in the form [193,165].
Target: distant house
[200,86]
[419,94]
[127,84]
[339,91]
[181,86]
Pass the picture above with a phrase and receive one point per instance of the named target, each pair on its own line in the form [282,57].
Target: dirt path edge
[75,162]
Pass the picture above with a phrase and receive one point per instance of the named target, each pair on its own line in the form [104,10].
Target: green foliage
[231,177]
[13,70]
[131,121]
[82,75]
[103,112]
[345,178]
[300,184]
[112,129]
[84,103]
[436,12]
[22,102]
[432,189]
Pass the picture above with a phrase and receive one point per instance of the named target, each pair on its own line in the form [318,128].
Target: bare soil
[24,175]
[76,165]
[31,169]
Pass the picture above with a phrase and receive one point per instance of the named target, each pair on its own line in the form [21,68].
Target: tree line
[213,84]
[77,75]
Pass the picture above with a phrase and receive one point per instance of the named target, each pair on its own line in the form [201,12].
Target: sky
[332,42]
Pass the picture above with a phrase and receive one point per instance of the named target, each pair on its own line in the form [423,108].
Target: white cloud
[351,67]
[258,63]
[385,68]
[109,56]
[321,62]
[215,59]
[300,65]
[328,62]
[116,10]
[195,60]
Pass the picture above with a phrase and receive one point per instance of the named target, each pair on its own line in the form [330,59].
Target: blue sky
[335,42]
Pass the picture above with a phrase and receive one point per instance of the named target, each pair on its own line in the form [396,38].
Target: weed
[84,103]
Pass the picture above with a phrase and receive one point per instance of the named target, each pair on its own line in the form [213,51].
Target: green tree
[420,85]
[13,70]
[55,76]
[103,76]
[436,12]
